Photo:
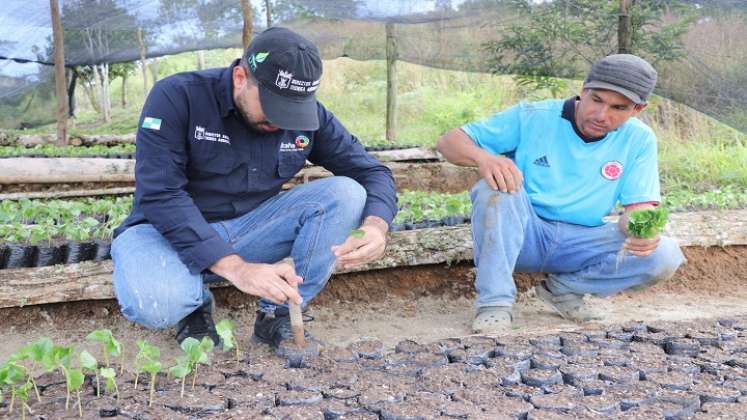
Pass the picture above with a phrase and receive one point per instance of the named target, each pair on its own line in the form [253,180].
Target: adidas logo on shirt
[542,162]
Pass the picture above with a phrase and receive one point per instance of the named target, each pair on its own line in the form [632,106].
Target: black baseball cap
[288,69]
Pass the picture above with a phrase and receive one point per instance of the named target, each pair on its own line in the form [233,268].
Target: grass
[696,153]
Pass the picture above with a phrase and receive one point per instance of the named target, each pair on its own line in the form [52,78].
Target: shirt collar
[569,113]
[225,91]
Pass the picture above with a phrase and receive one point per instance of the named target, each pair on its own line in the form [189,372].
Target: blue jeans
[508,236]
[155,289]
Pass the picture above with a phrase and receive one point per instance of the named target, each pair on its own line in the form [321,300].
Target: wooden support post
[391,83]
[142,61]
[268,12]
[246,34]
[201,60]
[624,30]
[60,81]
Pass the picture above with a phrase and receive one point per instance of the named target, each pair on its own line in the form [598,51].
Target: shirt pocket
[289,163]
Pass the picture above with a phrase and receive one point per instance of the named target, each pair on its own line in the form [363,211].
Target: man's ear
[239,77]
[640,107]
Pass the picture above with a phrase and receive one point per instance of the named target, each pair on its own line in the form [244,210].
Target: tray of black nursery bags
[42,254]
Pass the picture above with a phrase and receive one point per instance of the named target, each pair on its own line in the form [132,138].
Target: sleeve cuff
[379,210]
[206,253]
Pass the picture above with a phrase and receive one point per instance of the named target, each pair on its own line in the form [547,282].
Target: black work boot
[198,324]
[274,329]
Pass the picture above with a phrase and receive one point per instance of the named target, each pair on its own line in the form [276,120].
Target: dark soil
[364,381]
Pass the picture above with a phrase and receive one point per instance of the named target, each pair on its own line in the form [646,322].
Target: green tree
[560,39]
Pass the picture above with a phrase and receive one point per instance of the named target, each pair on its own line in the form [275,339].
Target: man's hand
[275,282]
[356,251]
[641,247]
[500,172]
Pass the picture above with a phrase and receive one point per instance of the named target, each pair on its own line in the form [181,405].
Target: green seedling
[109,346]
[358,233]
[12,376]
[644,224]
[195,352]
[111,380]
[647,223]
[225,331]
[38,351]
[60,359]
[74,379]
[88,362]
[147,360]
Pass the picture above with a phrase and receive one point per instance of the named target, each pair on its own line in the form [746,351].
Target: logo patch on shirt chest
[612,170]
[201,134]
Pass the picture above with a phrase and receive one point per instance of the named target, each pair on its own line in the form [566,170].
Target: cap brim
[608,86]
[289,114]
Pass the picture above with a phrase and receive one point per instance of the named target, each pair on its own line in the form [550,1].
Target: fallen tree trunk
[65,170]
[436,176]
[90,280]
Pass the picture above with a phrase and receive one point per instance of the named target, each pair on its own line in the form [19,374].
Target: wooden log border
[92,281]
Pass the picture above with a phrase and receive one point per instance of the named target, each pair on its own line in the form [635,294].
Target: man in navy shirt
[213,150]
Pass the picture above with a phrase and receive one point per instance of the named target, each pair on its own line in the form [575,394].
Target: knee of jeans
[667,259]
[348,194]
[484,196]
[156,315]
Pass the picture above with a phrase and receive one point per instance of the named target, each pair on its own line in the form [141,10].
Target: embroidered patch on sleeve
[152,123]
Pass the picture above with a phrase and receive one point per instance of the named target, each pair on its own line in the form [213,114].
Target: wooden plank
[413,153]
[65,170]
[89,280]
[65,194]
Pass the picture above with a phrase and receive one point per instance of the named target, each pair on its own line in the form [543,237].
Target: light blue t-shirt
[567,179]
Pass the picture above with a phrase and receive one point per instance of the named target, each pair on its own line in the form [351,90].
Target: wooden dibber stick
[295,316]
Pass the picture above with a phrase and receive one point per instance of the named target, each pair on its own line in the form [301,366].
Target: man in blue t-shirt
[544,208]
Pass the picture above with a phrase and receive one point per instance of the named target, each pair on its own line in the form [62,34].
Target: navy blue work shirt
[198,162]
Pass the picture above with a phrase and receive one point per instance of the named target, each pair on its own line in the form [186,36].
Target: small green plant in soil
[109,345]
[74,380]
[88,362]
[38,351]
[12,376]
[147,360]
[225,330]
[59,358]
[195,352]
[111,380]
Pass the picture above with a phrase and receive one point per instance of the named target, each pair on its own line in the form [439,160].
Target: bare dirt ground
[420,303]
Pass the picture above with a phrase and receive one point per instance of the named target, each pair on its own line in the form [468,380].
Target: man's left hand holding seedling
[364,244]
[634,244]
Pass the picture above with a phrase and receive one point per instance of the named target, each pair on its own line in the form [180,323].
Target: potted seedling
[43,237]
[147,360]
[17,238]
[74,380]
[79,232]
[195,352]
[225,331]
[111,380]
[88,362]
[109,346]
